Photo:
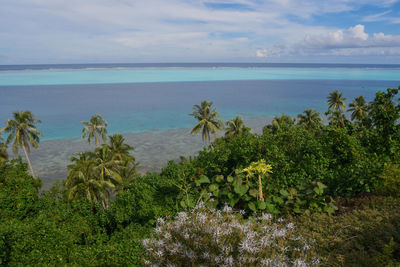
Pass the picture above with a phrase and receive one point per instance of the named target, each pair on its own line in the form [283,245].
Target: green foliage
[18,191]
[243,193]
[367,235]
[389,184]
[144,200]
[3,151]
[384,115]
[95,175]
[235,127]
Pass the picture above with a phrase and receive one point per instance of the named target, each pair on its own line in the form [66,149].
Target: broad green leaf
[202,180]
[219,178]
[253,192]
[284,192]
[261,205]
[252,206]
[241,189]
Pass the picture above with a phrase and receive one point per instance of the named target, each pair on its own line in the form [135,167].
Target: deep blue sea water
[142,97]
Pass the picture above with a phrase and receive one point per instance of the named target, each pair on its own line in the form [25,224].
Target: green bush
[389,183]
[145,199]
[368,234]
[18,190]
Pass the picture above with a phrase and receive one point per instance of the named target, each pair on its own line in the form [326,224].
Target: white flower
[159,253]
[227,209]
[266,217]
[279,233]
[158,230]
[290,226]
[300,263]
[160,221]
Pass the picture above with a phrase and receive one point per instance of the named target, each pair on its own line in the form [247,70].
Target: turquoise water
[180,74]
[140,99]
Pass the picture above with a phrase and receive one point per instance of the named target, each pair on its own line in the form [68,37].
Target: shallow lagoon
[154,115]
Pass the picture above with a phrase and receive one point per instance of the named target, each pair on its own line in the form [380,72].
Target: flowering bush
[205,237]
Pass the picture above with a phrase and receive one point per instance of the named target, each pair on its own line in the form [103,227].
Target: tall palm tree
[119,148]
[336,118]
[281,122]
[128,172]
[82,181]
[209,123]
[336,100]
[235,127]
[359,109]
[3,151]
[310,119]
[106,164]
[95,128]
[22,133]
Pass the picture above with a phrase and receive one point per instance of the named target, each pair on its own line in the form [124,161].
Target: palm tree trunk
[29,162]
[260,192]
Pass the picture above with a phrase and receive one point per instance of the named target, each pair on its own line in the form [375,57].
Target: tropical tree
[336,118]
[82,181]
[336,100]
[235,127]
[259,168]
[128,172]
[359,109]
[95,128]
[209,123]
[119,148]
[310,119]
[281,122]
[22,133]
[3,151]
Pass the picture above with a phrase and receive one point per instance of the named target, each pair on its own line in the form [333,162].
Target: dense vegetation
[337,184]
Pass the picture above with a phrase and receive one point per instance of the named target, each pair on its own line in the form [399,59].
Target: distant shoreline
[188,65]
[153,150]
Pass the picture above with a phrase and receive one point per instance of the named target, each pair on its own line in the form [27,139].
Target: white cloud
[383,16]
[176,30]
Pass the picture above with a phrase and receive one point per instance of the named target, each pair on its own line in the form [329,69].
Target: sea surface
[155,100]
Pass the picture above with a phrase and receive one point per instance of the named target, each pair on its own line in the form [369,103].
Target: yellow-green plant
[259,168]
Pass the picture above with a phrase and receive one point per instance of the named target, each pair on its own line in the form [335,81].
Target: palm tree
[23,132]
[310,119]
[209,123]
[96,129]
[106,166]
[336,118]
[336,100]
[3,151]
[235,127]
[359,109]
[82,181]
[281,122]
[119,148]
[128,171]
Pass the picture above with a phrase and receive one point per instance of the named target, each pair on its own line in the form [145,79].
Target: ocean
[156,100]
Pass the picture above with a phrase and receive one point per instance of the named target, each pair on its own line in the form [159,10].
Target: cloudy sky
[111,31]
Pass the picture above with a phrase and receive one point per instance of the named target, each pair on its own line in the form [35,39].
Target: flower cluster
[205,237]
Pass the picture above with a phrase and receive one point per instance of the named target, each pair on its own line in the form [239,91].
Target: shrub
[390,180]
[368,235]
[18,190]
[145,199]
[208,237]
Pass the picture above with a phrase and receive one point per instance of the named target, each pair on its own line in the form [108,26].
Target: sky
[150,31]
